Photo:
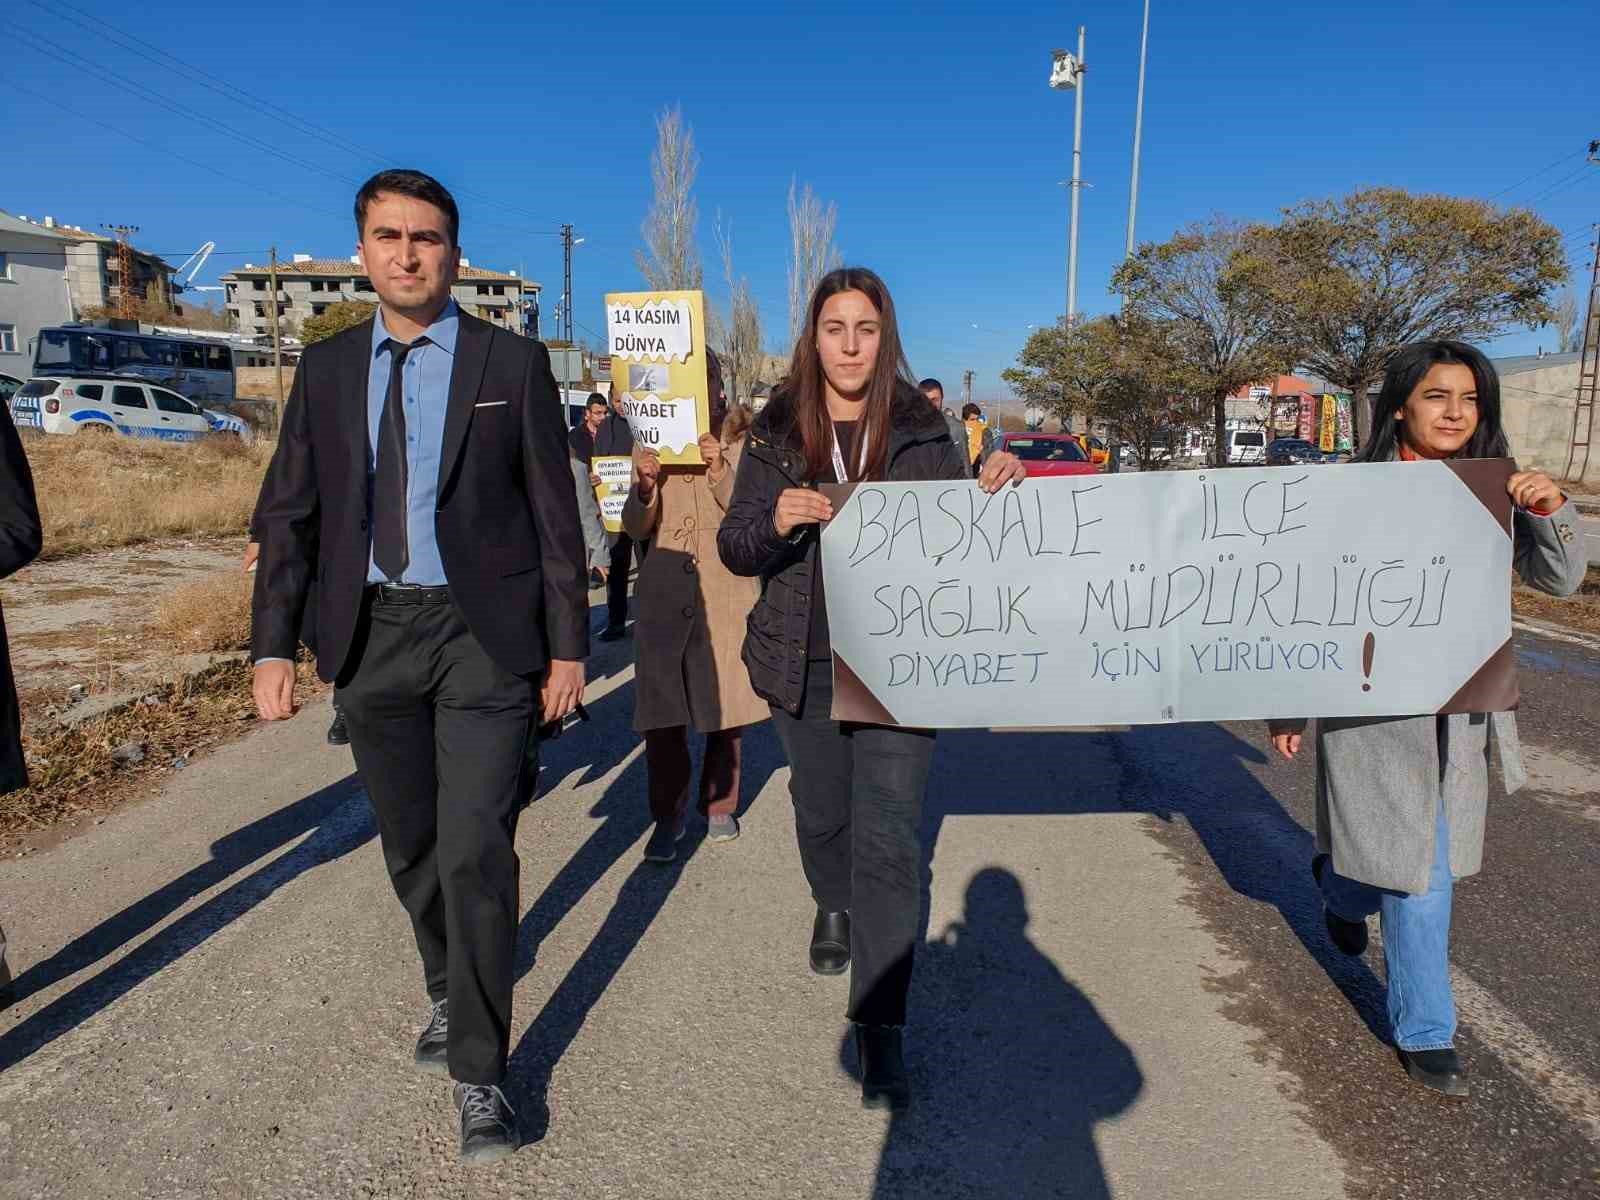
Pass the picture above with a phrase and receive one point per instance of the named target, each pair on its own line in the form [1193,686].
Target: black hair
[408,183]
[929,384]
[1406,371]
[970,410]
[596,398]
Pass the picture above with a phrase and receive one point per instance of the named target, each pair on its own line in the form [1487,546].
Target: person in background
[338,731]
[595,537]
[976,427]
[1402,801]
[581,439]
[612,437]
[21,537]
[934,391]
[688,634]
[848,411]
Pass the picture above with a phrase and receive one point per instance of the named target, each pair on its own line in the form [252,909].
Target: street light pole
[1077,187]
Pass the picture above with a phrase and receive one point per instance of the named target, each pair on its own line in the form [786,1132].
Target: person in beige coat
[1402,801]
[688,632]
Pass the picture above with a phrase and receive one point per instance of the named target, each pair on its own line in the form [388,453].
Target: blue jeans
[1416,946]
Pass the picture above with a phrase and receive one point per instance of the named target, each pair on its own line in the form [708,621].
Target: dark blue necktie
[390,500]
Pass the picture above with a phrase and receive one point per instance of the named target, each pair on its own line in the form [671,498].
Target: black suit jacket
[506,518]
[20,539]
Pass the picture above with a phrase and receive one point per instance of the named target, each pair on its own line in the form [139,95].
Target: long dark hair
[1406,370]
[806,384]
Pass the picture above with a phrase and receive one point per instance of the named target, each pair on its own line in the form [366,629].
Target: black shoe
[883,1068]
[1349,936]
[338,734]
[488,1126]
[663,844]
[613,633]
[1440,1070]
[433,1046]
[830,943]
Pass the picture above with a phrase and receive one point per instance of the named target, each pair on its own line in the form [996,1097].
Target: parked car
[113,404]
[1246,447]
[1047,454]
[1288,452]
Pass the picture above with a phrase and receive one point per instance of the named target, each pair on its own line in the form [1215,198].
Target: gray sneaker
[488,1126]
[663,844]
[433,1047]
[722,829]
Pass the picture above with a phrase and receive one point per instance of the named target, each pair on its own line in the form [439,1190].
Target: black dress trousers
[440,736]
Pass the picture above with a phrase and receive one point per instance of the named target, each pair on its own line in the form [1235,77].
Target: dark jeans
[622,554]
[440,735]
[857,793]
[666,753]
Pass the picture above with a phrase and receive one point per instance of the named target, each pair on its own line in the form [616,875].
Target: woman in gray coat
[1401,800]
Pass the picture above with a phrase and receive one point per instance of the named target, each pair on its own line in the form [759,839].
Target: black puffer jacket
[778,630]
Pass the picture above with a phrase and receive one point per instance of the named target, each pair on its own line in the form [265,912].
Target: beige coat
[690,610]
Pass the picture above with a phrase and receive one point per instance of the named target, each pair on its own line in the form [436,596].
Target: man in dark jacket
[613,437]
[20,539]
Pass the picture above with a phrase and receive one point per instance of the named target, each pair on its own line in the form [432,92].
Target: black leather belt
[409,593]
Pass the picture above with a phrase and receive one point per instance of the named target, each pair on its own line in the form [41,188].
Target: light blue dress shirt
[425,382]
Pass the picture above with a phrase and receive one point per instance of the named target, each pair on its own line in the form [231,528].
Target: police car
[122,404]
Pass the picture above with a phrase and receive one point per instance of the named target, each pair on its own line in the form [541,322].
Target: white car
[110,403]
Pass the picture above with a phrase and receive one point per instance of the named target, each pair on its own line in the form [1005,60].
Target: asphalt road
[1125,989]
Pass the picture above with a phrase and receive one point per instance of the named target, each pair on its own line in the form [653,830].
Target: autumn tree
[336,318]
[1567,323]
[1205,284]
[1353,279]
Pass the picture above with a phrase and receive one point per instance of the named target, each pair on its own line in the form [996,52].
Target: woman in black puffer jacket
[848,411]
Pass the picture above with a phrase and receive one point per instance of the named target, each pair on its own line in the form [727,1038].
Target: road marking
[1587,641]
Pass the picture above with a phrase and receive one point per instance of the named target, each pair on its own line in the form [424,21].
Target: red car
[1047,454]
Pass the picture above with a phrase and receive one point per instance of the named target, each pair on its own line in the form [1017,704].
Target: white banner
[1352,590]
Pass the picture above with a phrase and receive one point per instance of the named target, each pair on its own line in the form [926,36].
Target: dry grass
[71,770]
[100,492]
[210,614]
[1581,611]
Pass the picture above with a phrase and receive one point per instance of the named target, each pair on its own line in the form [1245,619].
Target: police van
[119,404]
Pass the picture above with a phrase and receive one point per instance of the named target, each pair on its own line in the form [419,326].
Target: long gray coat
[1379,779]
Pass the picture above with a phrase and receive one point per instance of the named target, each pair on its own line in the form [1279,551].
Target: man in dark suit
[20,539]
[422,480]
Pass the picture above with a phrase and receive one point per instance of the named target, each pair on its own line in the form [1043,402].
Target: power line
[259,104]
[1567,157]
[1562,184]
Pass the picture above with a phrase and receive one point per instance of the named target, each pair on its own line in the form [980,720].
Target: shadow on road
[339,820]
[623,813]
[1012,1066]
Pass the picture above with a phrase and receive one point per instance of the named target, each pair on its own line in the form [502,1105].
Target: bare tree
[741,341]
[670,260]
[1569,331]
[812,253]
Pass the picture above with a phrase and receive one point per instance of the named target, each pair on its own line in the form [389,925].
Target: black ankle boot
[830,943]
[883,1068]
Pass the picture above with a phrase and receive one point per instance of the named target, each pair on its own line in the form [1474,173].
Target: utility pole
[125,305]
[564,326]
[966,388]
[1588,375]
[1138,128]
[277,344]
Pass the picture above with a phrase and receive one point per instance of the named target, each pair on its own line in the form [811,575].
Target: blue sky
[929,125]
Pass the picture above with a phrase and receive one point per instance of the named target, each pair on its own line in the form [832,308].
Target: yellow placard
[657,342]
[1330,422]
[611,493]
